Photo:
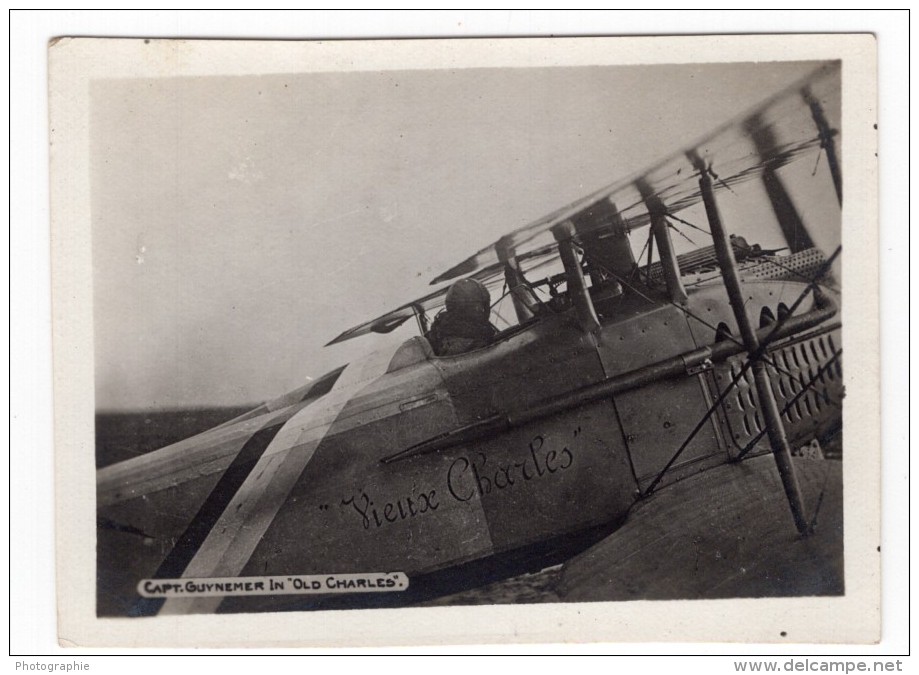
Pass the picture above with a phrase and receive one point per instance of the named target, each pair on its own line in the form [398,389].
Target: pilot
[463,325]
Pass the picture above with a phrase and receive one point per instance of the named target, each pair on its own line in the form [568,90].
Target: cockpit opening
[463,324]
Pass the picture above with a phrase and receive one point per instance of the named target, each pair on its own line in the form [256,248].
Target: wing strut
[521,295]
[767,146]
[577,287]
[826,139]
[671,267]
[421,318]
[777,438]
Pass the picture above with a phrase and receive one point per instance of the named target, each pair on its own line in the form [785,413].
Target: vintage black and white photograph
[474,324]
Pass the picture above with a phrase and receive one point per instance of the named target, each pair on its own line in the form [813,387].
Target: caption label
[368,582]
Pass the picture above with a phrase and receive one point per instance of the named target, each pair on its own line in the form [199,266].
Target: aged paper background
[853,618]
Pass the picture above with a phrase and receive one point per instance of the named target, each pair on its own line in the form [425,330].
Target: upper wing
[767,137]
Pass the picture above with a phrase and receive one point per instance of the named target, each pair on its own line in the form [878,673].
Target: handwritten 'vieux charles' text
[467,477]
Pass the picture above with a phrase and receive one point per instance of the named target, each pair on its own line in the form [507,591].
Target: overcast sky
[240,223]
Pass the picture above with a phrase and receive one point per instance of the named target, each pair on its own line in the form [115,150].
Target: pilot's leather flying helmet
[469,297]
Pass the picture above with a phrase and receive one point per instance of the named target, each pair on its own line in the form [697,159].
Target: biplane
[622,369]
